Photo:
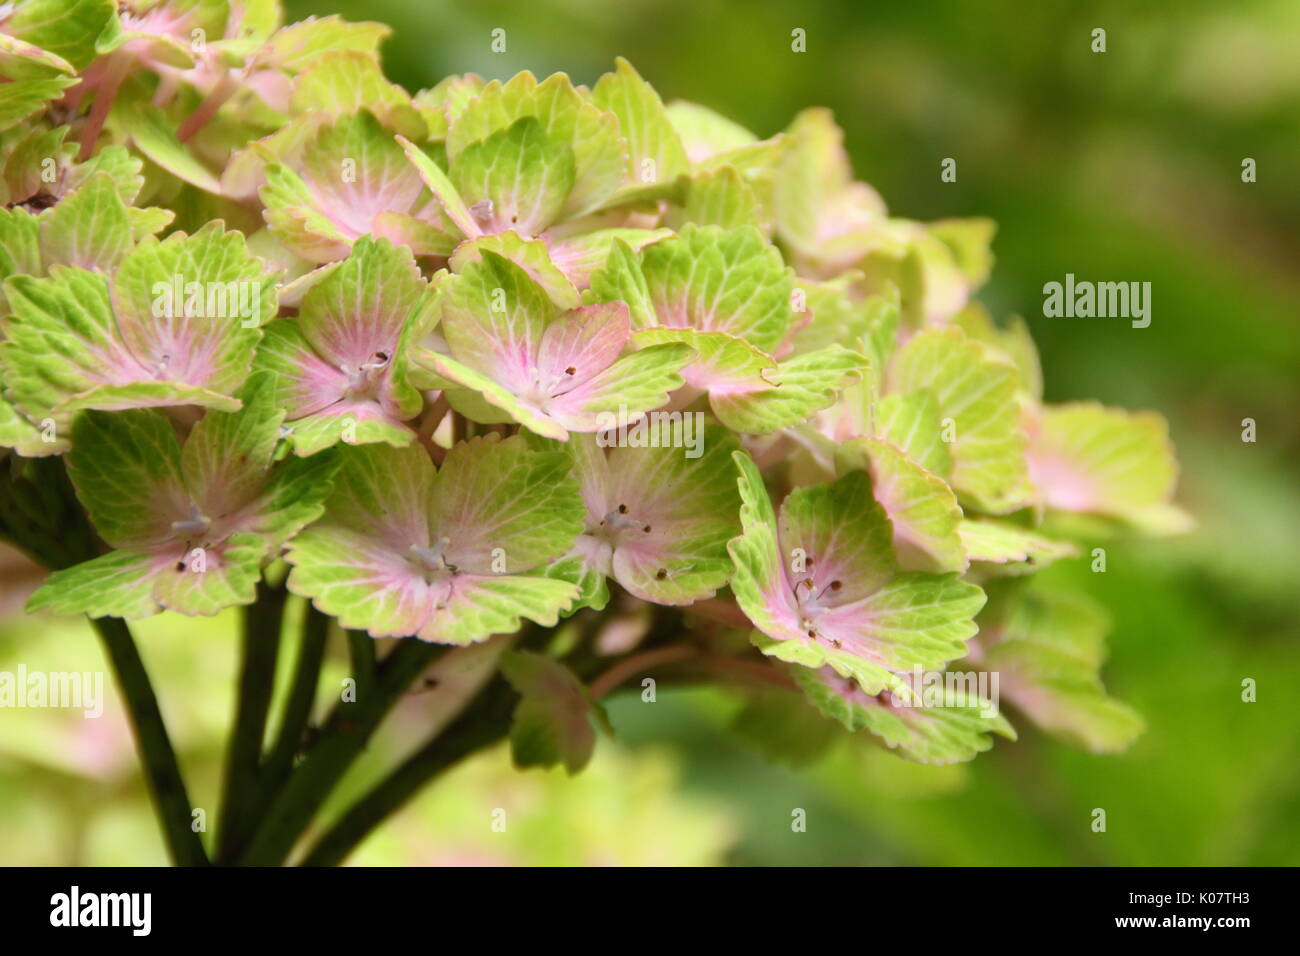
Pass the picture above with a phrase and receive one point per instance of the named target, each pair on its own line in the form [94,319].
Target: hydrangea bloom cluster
[516,356]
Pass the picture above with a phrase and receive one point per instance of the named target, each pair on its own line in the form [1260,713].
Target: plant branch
[361,651]
[484,722]
[161,769]
[298,705]
[260,648]
[621,670]
[345,735]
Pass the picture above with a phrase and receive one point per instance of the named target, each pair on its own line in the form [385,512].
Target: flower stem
[161,769]
[638,664]
[484,722]
[361,651]
[260,648]
[118,66]
[298,705]
[344,736]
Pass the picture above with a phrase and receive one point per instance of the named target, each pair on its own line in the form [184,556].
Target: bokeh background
[1117,166]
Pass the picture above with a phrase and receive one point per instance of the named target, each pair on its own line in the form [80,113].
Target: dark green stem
[484,722]
[161,769]
[298,705]
[259,650]
[345,735]
[361,651]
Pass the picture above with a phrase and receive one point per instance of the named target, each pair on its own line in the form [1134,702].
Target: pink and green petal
[922,509]
[126,468]
[531,255]
[977,395]
[658,521]
[518,176]
[1109,462]
[599,152]
[89,229]
[578,257]
[1015,549]
[495,494]
[717,280]
[494,316]
[207,336]
[842,601]
[1049,655]
[955,732]
[402,551]
[552,722]
[351,173]
[800,387]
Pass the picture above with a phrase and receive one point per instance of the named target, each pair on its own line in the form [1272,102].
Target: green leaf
[552,721]
[21,98]
[66,28]
[152,134]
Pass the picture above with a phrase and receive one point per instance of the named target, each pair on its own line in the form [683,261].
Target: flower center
[365,379]
[433,560]
[195,525]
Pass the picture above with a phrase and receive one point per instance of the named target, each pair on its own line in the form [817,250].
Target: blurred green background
[1117,166]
